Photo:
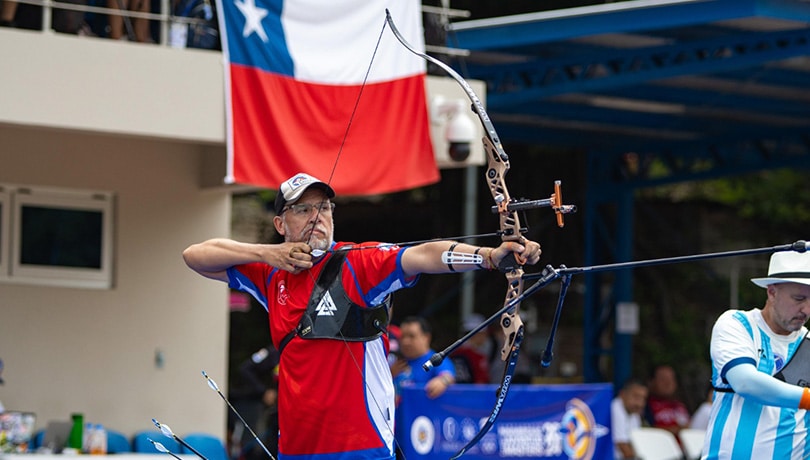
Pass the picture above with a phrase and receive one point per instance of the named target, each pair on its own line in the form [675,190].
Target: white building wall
[93,351]
[71,82]
[142,122]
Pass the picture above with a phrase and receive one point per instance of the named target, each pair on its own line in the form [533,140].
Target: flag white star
[253,18]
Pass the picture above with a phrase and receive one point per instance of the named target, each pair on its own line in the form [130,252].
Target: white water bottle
[98,440]
[87,437]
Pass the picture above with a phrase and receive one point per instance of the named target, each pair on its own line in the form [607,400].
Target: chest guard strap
[331,314]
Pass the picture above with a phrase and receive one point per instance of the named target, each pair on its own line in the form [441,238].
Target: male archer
[760,370]
[328,313]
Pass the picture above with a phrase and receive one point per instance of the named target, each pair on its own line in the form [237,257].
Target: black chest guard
[331,314]
[797,370]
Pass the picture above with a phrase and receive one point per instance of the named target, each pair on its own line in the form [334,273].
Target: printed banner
[536,421]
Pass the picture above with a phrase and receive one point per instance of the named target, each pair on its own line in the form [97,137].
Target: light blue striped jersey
[740,428]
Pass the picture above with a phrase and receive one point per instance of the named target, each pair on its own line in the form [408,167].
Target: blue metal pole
[623,285]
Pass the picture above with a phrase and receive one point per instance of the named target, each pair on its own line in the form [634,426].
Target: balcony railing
[194,27]
[171,28]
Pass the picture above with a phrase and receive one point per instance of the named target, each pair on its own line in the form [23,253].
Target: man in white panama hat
[756,412]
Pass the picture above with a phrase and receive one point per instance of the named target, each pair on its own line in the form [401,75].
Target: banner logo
[422,435]
[580,431]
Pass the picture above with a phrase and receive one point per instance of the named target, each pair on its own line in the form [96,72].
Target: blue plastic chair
[208,445]
[141,444]
[117,442]
[36,440]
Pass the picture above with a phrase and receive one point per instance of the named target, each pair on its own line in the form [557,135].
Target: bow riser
[497,167]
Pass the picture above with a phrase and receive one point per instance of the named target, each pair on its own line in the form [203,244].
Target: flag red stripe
[282,126]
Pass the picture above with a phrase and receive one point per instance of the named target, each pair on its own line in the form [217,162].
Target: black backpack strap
[286,340]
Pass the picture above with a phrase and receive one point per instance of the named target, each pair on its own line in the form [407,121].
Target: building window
[57,237]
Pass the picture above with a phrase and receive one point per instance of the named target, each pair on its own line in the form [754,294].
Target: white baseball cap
[292,189]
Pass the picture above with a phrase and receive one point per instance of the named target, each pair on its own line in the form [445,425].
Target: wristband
[476,253]
[804,403]
[489,260]
[449,265]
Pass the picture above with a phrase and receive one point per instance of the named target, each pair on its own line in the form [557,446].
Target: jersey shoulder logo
[282,293]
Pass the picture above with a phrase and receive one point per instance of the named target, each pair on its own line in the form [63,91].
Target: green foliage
[779,199]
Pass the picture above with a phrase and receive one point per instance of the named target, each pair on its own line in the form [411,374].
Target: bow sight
[554,201]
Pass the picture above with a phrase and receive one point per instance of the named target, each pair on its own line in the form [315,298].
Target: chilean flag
[320,86]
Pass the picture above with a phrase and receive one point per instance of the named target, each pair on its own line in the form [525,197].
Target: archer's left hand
[527,252]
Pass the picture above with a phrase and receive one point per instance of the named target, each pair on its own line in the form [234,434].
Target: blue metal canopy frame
[707,87]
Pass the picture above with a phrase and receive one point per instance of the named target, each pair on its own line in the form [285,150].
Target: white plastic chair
[655,444]
[692,442]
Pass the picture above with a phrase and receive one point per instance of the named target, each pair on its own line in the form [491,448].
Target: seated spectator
[664,410]
[414,346]
[625,416]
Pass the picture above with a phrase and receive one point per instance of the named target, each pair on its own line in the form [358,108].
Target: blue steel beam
[620,170]
[622,17]
[773,75]
[708,122]
[512,84]
[617,138]
[711,98]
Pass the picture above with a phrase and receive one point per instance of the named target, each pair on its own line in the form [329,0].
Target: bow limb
[508,372]
[477,106]
[510,230]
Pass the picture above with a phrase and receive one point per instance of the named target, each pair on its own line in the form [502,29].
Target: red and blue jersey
[336,398]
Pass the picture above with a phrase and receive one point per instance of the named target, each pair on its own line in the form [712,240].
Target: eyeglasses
[305,209]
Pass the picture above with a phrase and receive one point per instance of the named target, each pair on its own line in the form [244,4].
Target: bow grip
[510,263]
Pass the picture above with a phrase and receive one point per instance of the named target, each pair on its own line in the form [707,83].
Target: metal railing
[165,17]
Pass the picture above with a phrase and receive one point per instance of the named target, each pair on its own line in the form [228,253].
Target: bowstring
[387,420]
[356,104]
[349,124]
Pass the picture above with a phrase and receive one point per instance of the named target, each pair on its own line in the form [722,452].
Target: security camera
[460,134]
[460,130]
[459,151]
